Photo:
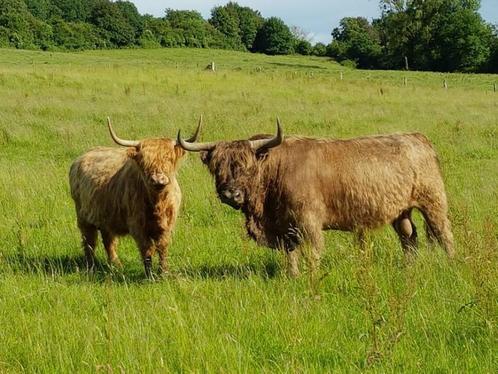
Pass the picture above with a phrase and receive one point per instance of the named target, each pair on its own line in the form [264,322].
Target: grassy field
[228,305]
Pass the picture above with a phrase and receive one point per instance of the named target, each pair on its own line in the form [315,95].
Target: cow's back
[363,182]
[99,180]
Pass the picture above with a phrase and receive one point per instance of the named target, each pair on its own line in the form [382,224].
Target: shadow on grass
[63,265]
[267,270]
[298,66]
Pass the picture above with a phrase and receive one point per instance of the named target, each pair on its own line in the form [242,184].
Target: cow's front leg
[147,252]
[147,248]
[162,250]
[311,245]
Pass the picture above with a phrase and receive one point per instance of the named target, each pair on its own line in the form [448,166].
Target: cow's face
[157,160]
[234,167]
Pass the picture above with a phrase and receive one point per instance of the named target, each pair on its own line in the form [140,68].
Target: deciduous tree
[274,38]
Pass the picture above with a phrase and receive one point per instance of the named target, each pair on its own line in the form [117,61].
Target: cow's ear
[260,155]
[132,152]
[206,157]
[179,152]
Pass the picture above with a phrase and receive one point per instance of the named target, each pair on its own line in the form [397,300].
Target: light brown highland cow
[131,190]
[291,189]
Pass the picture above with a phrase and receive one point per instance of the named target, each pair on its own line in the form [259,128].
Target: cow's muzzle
[233,197]
[159,181]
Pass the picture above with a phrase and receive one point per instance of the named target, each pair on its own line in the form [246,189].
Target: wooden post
[210,66]
[405,81]
[406,64]
[445,84]
[342,76]
[494,87]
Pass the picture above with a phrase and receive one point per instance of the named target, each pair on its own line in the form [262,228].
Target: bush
[76,35]
[274,38]
[319,49]
[113,27]
[357,40]
[148,40]
[42,34]
[349,64]
[303,47]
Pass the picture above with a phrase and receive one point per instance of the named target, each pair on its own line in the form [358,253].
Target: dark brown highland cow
[131,190]
[291,189]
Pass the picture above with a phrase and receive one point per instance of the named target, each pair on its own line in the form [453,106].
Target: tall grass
[228,305]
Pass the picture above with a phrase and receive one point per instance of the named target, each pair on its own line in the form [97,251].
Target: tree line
[434,35]
[94,24]
[439,35]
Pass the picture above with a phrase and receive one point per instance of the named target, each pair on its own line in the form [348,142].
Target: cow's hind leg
[88,241]
[293,261]
[438,227]
[407,231]
[110,243]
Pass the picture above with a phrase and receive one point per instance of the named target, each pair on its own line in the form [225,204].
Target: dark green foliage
[303,47]
[226,20]
[112,24]
[42,9]
[357,40]
[319,49]
[442,35]
[42,33]
[14,19]
[72,10]
[250,21]
[238,24]
[274,38]
[188,29]
[155,30]
[464,43]
[133,18]
[76,35]
[492,65]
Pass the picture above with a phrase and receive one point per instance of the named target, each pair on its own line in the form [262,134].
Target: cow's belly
[107,219]
[357,209]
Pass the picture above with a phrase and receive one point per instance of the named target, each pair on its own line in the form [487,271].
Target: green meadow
[228,305]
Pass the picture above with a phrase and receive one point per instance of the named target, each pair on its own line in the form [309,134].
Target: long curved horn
[194,137]
[269,143]
[194,147]
[126,143]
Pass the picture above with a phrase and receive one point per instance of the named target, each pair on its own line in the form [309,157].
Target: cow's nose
[228,194]
[160,181]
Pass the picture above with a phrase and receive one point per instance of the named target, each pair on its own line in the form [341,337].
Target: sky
[316,17]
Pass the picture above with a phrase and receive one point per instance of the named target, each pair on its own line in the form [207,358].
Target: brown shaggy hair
[292,192]
[132,190]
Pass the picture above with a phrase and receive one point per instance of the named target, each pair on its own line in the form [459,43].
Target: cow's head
[233,164]
[157,159]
